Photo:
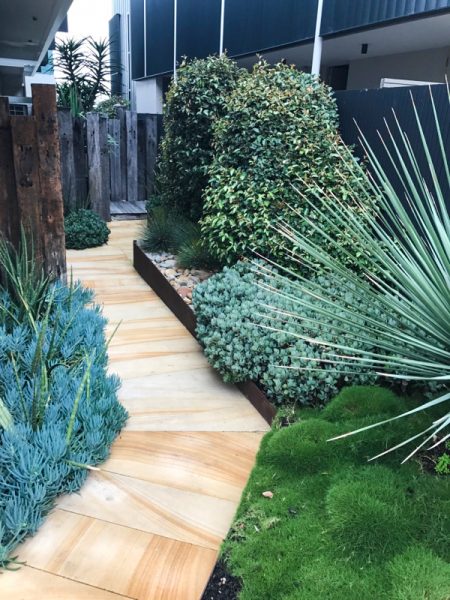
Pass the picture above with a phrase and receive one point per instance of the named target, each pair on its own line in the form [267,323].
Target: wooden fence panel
[51,198]
[114,159]
[121,112]
[30,180]
[98,161]
[147,152]
[80,161]
[132,169]
[68,173]
[9,216]
[107,160]
[26,168]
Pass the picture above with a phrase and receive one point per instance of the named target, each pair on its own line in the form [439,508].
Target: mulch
[222,585]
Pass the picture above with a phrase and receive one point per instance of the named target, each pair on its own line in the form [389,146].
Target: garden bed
[153,276]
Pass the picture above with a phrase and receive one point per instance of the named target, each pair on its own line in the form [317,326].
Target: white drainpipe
[175,40]
[222,26]
[318,42]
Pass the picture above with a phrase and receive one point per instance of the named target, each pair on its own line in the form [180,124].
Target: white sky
[89,17]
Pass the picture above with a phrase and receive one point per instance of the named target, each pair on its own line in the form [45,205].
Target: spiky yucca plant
[405,266]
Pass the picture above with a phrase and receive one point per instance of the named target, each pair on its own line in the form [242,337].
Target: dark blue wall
[198,27]
[137,38]
[251,25]
[159,25]
[341,15]
[255,25]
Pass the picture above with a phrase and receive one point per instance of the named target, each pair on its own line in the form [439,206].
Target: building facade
[27,31]
[360,43]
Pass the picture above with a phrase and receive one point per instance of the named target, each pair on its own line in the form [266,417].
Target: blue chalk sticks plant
[59,412]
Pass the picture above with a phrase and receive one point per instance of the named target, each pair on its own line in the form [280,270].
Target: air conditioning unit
[19,105]
[387,82]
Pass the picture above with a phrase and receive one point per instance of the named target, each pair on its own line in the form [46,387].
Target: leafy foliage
[62,412]
[24,280]
[193,104]
[85,68]
[231,314]
[405,272]
[279,129]
[335,527]
[85,229]
[109,106]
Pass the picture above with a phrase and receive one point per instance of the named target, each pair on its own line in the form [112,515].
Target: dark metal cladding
[198,28]
[137,38]
[256,25]
[159,26]
[342,15]
[369,108]
[115,53]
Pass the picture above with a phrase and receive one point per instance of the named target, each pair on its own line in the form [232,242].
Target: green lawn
[338,527]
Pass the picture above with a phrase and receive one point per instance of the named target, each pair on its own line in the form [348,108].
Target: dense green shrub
[59,408]
[279,129]
[110,105]
[85,229]
[230,311]
[337,528]
[193,104]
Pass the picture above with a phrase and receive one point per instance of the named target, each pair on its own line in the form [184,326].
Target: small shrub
[279,129]
[192,106]
[362,402]
[230,309]
[304,447]
[85,229]
[110,105]
[443,462]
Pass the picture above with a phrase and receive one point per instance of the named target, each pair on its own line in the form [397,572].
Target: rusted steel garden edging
[156,280]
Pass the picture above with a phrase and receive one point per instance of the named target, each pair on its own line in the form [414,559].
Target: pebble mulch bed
[183,280]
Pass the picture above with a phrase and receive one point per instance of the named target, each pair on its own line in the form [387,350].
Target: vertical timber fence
[106,160]
[30,179]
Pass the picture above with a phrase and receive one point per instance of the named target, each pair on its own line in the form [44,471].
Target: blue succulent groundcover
[64,408]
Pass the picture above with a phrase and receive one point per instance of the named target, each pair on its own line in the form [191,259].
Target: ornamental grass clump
[280,126]
[59,412]
[406,272]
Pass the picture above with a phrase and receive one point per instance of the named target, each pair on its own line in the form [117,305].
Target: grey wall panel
[254,25]
[341,15]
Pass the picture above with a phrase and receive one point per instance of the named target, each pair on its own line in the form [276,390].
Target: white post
[222,26]
[175,40]
[318,42]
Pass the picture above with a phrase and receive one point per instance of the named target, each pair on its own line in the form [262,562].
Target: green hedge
[192,106]
[279,130]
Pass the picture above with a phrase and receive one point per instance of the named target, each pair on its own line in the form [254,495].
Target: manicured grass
[338,527]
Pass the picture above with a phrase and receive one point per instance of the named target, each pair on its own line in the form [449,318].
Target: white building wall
[425,65]
[148,96]
[122,7]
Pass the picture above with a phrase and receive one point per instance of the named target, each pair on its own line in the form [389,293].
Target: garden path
[148,525]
